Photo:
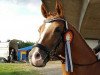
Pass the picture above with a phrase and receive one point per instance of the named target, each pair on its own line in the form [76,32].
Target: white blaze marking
[40,60]
[43,33]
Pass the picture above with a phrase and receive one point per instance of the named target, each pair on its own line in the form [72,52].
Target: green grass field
[17,69]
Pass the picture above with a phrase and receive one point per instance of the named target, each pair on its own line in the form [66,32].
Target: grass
[17,69]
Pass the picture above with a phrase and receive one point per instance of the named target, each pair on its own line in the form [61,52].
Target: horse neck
[81,52]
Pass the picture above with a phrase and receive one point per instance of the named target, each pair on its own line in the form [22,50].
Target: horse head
[50,35]
[52,41]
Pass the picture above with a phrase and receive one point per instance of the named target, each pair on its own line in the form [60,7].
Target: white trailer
[4,50]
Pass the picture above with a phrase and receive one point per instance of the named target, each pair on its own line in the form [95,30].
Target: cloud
[36,2]
[20,21]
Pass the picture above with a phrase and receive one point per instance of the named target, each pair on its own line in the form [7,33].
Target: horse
[51,42]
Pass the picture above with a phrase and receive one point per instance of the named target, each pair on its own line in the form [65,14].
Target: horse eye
[58,29]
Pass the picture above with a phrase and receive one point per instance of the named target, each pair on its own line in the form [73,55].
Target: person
[12,55]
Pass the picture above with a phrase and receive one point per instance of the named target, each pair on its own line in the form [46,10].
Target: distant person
[13,56]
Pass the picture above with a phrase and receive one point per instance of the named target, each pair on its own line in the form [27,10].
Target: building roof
[83,14]
[26,48]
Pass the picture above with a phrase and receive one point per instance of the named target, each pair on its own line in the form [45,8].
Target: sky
[20,19]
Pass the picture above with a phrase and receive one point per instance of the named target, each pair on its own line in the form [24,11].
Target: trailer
[4,51]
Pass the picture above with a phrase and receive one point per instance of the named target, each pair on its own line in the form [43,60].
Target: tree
[19,43]
[22,44]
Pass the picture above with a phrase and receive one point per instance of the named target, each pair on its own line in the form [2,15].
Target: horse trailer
[4,51]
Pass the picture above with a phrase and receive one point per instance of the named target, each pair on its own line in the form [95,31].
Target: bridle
[48,51]
[45,48]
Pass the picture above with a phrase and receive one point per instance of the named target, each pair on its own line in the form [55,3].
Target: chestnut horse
[51,42]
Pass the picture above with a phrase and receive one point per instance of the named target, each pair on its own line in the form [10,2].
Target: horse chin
[38,65]
[38,57]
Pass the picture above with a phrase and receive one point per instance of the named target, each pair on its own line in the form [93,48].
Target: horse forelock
[43,31]
[54,15]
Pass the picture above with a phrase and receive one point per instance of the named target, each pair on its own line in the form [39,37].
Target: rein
[76,64]
[85,64]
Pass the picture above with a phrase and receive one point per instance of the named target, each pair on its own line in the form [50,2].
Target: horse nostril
[37,55]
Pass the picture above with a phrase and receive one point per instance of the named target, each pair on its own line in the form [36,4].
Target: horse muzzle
[38,57]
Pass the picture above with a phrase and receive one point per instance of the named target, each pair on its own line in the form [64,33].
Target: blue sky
[20,19]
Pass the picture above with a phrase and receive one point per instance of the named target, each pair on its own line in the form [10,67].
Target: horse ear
[43,10]
[59,8]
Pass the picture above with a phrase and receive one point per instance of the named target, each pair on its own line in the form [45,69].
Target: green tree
[20,43]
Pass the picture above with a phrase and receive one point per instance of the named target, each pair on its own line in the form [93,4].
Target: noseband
[45,48]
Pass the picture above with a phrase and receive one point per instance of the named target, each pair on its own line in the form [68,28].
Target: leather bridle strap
[54,19]
[44,48]
[85,64]
[69,66]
